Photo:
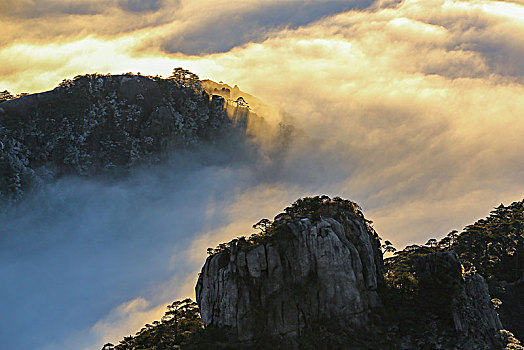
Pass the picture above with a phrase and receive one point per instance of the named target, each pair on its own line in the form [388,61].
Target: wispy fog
[76,250]
[71,253]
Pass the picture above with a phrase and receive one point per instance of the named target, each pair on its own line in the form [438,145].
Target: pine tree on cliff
[5,96]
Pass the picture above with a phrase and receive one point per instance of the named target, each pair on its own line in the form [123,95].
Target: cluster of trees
[269,230]
[175,329]
[183,78]
[186,78]
[241,103]
[312,208]
[180,328]
[493,247]
[6,95]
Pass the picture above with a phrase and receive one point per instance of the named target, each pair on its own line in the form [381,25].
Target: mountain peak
[94,124]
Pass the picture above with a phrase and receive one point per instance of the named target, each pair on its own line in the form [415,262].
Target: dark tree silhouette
[176,327]
[263,225]
[387,247]
[241,103]
[432,243]
[445,243]
[186,78]
[5,96]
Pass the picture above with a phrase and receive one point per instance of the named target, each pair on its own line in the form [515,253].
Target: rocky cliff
[457,309]
[314,277]
[98,124]
[314,270]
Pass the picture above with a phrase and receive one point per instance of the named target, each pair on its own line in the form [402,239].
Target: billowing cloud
[53,21]
[428,118]
[80,248]
[224,25]
[412,109]
[176,26]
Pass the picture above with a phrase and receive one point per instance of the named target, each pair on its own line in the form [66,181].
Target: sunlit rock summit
[314,278]
[311,271]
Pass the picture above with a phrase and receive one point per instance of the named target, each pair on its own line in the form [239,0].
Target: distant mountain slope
[105,124]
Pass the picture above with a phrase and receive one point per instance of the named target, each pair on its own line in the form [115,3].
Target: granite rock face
[464,300]
[317,270]
[323,271]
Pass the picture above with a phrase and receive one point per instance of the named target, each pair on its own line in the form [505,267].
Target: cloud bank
[177,26]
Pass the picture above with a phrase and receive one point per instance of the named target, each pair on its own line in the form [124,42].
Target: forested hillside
[106,124]
[493,247]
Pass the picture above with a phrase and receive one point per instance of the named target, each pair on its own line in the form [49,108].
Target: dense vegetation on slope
[493,247]
[416,309]
[312,208]
[105,124]
[178,325]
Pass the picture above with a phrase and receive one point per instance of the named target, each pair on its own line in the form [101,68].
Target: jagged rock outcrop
[315,278]
[464,300]
[104,123]
[312,270]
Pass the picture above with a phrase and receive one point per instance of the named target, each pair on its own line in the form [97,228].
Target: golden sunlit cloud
[417,98]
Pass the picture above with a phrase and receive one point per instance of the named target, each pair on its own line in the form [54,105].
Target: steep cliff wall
[315,279]
[310,272]
[457,309]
